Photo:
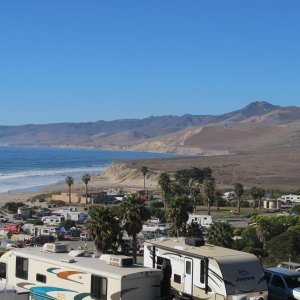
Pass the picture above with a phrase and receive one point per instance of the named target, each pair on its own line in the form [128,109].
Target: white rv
[43,230]
[71,215]
[53,220]
[208,272]
[48,273]
[290,198]
[203,220]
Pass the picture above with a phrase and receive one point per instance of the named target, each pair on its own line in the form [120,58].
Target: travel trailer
[50,273]
[203,220]
[207,272]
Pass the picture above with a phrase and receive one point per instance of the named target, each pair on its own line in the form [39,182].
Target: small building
[272,204]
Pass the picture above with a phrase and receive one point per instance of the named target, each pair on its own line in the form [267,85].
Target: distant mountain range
[259,124]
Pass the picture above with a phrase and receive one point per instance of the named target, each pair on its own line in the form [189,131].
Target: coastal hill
[256,145]
[256,125]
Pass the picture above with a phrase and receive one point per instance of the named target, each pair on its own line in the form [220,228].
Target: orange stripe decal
[66,274]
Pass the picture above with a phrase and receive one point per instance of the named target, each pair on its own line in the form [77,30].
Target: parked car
[84,236]
[283,284]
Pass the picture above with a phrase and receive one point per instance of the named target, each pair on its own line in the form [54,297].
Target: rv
[207,272]
[52,220]
[290,198]
[43,230]
[50,273]
[71,215]
[229,196]
[204,220]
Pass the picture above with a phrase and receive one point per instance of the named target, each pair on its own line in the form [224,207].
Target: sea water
[32,168]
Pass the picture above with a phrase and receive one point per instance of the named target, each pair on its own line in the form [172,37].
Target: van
[283,284]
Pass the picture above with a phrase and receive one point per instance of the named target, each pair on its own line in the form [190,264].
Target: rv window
[41,278]
[202,277]
[21,267]
[98,288]
[177,278]
[188,267]
[2,270]
[159,262]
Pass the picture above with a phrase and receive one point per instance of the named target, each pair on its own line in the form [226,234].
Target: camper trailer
[50,273]
[204,220]
[207,272]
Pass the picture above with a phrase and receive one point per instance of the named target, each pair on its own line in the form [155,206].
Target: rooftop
[206,250]
[88,264]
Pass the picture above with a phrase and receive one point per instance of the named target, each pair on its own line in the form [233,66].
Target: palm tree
[178,213]
[194,189]
[69,181]
[254,195]
[144,171]
[220,234]
[263,231]
[164,182]
[209,186]
[239,191]
[134,213]
[104,227]
[86,179]
[261,193]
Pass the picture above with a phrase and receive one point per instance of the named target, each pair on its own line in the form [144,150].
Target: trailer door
[188,276]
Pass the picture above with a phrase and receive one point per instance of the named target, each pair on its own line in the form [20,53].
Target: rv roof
[178,244]
[88,264]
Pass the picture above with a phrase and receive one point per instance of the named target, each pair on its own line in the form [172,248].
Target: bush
[67,223]
[245,204]
[12,207]
[157,204]
[35,221]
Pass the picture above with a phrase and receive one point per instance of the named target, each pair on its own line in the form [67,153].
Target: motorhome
[53,220]
[290,198]
[204,220]
[50,273]
[207,272]
[43,230]
[71,215]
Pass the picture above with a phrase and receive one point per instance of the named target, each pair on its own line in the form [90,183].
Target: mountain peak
[258,108]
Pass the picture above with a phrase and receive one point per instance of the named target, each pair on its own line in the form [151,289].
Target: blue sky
[86,60]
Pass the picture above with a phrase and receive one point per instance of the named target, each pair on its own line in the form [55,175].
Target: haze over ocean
[33,168]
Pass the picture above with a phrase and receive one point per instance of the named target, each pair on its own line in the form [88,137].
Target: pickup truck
[283,284]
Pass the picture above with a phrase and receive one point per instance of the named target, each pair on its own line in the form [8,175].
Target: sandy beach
[97,183]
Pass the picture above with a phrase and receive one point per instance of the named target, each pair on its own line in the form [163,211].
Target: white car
[154,220]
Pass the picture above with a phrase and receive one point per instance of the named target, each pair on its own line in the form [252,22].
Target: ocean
[32,168]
